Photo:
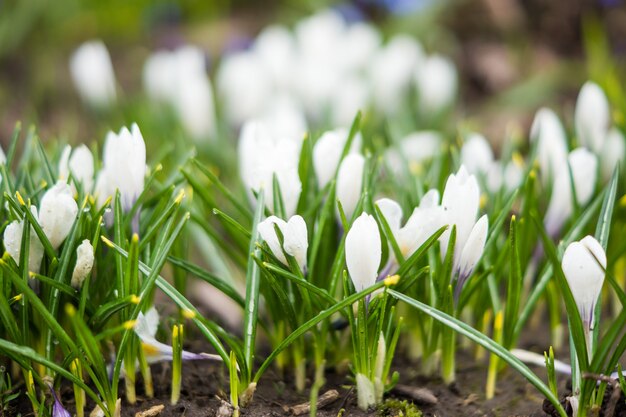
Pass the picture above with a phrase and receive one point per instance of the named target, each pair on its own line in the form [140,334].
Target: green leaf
[484,341]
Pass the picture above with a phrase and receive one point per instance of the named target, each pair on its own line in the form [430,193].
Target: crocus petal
[472,251]
[12,240]
[392,212]
[592,116]
[84,263]
[57,213]
[350,182]
[57,408]
[612,153]
[295,240]
[583,264]
[363,251]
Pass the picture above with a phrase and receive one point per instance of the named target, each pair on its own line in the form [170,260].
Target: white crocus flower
[155,351]
[425,220]
[284,118]
[262,156]
[549,134]
[92,72]
[57,213]
[584,166]
[363,251]
[275,47]
[476,154]
[124,166]
[351,96]
[350,182]
[415,149]
[295,241]
[460,204]
[436,81]
[84,263]
[13,243]
[327,153]
[584,265]
[592,116]
[78,163]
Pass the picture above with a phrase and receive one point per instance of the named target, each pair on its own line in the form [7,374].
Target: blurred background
[511,55]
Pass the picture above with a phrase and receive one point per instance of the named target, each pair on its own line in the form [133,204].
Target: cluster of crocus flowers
[179,78]
[566,173]
[56,215]
[331,67]
[93,75]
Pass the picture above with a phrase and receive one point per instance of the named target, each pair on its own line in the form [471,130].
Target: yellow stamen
[391,280]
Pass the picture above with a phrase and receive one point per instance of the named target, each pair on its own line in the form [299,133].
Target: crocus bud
[79,163]
[84,263]
[262,156]
[295,241]
[549,134]
[592,116]
[327,153]
[124,166]
[472,251]
[476,154]
[460,204]
[363,251]
[584,166]
[350,182]
[584,264]
[93,75]
[436,81]
[13,243]
[57,213]
[57,408]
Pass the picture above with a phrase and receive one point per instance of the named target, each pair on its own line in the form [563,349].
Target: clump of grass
[398,408]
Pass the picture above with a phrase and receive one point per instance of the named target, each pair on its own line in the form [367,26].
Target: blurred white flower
[327,153]
[78,163]
[584,264]
[284,118]
[84,263]
[57,213]
[124,167]
[262,156]
[549,134]
[351,95]
[363,251]
[436,81]
[179,78]
[414,148]
[12,240]
[244,85]
[92,73]
[276,49]
[295,241]
[476,154]
[391,71]
[584,167]
[592,116]
[155,351]
[612,152]
[359,44]
[350,182]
